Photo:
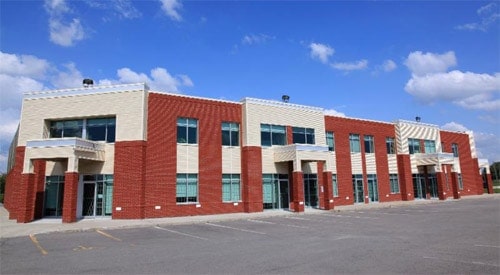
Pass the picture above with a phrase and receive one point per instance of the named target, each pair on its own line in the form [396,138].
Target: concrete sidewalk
[10,228]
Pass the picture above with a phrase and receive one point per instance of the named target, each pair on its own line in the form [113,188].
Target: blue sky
[382,60]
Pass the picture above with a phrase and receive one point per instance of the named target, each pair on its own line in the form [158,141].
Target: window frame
[394,184]
[83,128]
[353,139]
[390,144]
[429,146]
[413,144]
[276,133]
[187,177]
[330,136]
[308,135]
[460,181]
[369,142]
[454,150]
[233,180]
[233,133]
[187,123]
[335,185]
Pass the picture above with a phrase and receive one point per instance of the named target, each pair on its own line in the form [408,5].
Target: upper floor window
[66,128]
[303,135]
[390,143]
[187,130]
[230,134]
[454,149]
[413,145]
[98,129]
[101,129]
[330,141]
[369,145]
[430,146]
[272,135]
[354,143]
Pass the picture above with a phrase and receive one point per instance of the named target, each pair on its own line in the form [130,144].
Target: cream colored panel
[310,167]
[127,106]
[371,165]
[282,167]
[55,168]
[356,164]
[96,167]
[408,129]
[187,158]
[472,144]
[231,160]
[268,165]
[456,165]
[392,163]
[256,112]
[331,163]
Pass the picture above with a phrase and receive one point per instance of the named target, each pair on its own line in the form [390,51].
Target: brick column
[489,180]
[298,192]
[441,182]
[454,185]
[70,197]
[251,178]
[328,194]
[26,206]
[39,188]
[478,177]
[405,177]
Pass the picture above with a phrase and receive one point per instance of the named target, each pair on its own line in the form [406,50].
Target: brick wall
[12,184]
[160,186]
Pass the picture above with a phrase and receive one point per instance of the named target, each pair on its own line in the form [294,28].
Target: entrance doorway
[311,190]
[372,188]
[357,187]
[275,191]
[433,187]
[419,190]
[54,194]
[97,195]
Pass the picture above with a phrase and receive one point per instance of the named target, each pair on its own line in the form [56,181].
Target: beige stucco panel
[231,160]
[127,106]
[187,158]
[405,130]
[392,163]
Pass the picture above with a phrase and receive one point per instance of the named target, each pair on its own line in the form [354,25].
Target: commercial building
[130,153]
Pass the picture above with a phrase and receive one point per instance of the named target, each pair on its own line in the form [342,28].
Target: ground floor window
[394,182]
[433,187]
[357,186]
[311,190]
[275,191]
[372,187]
[460,182]
[97,195]
[335,185]
[187,188]
[231,187]
[419,190]
[54,194]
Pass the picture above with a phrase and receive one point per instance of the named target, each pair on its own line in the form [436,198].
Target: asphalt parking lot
[458,237]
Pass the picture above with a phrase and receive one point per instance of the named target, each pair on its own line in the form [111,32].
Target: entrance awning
[66,148]
[434,159]
[300,152]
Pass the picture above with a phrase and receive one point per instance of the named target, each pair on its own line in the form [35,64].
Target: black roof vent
[88,82]
[285,98]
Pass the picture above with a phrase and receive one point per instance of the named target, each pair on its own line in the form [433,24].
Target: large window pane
[230,134]
[369,146]
[330,141]
[354,143]
[187,130]
[187,188]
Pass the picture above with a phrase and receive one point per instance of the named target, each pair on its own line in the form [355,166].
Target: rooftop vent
[285,98]
[417,119]
[87,82]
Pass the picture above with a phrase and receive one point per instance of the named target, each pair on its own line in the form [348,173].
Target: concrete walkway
[10,228]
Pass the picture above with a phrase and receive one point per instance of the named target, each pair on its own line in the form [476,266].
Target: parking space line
[462,262]
[180,233]
[283,224]
[38,245]
[298,218]
[108,235]
[485,245]
[234,228]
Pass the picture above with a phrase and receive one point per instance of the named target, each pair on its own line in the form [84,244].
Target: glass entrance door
[54,194]
[419,186]
[357,187]
[372,188]
[433,186]
[275,191]
[97,195]
[311,190]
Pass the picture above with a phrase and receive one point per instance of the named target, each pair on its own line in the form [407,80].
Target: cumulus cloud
[125,9]
[251,39]
[351,66]
[487,144]
[321,52]
[64,31]
[430,82]
[171,9]
[332,112]
[488,16]
[389,66]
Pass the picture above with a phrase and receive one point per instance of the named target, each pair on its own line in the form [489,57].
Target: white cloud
[488,16]
[321,52]
[125,9]
[251,39]
[63,31]
[22,65]
[71,77]
[389,65]
[332,112]
[171,8]
[487,144]
[427,63]
[351,66]
[430,82]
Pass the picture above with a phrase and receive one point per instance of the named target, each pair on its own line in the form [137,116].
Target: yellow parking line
[108,235]
[37,244]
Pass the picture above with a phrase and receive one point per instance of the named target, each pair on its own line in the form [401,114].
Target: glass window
[231,188]
[430,146]
[413,145]
[454,149]
[230,134]
[187,130]
[391,145]
[102,129]
[303,135]
[272,135]
[460,182]
[394,182]
[335,185]
[369,146]
[66,128]
[330,141]
[354,143]
[187,188]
